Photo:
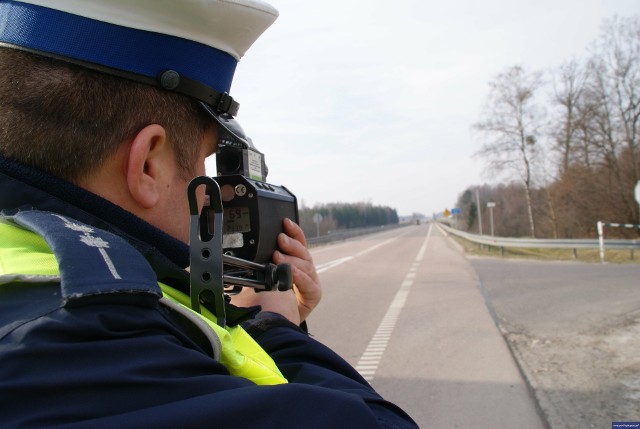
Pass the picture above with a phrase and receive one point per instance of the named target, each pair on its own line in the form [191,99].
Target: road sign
[455,211]
[491,204]
[638,192]
[446,213]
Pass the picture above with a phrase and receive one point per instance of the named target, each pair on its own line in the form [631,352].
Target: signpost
[317,219]
[490,206]
[479,211]
[637,192]
[455,212]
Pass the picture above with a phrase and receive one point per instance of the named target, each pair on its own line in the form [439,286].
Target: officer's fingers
[293,247]
[306,281]
[294,253]
[308,292]
[301,268]
[294,231]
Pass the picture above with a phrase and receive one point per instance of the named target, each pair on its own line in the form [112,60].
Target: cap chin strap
[221,103]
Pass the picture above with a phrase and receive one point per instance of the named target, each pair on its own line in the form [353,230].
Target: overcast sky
[373,101]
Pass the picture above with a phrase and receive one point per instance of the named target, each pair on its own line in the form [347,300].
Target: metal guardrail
[542,243]
[350,233]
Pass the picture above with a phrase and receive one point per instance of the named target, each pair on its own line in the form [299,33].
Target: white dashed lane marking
[370,360]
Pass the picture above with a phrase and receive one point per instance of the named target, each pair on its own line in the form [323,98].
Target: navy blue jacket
[123,361]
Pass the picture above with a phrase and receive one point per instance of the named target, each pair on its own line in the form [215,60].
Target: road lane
[405,308]
[373,354]
[357,288]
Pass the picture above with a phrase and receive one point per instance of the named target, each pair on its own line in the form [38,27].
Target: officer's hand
[305,279]
[297,304]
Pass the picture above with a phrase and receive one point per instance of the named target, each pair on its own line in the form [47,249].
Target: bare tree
[511,128]
[595,131]
[568,88]
[614,95]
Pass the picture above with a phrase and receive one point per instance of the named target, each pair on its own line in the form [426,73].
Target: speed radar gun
[234,235]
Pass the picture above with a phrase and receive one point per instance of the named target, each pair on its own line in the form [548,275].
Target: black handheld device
[234,231]
[253,210]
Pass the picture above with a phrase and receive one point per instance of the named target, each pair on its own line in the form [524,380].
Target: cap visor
[228,125]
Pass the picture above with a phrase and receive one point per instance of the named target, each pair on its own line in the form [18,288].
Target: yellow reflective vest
[26,257]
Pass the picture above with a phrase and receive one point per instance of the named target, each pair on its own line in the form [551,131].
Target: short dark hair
[66,119]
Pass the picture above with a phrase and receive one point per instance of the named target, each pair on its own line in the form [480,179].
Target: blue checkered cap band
[188,46]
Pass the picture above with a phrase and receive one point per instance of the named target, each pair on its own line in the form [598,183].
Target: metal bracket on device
[205,249]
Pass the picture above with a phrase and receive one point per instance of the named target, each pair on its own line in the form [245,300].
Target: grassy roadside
[612,256]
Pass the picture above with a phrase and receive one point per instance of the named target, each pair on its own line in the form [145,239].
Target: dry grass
[586,255]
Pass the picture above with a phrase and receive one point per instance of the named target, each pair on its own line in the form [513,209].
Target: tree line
[565,142]
[336,216]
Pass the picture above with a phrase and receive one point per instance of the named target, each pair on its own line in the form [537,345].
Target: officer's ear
[149,164]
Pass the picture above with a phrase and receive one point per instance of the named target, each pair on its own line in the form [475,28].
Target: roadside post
[637,194]
[599,225]
[479,211]
[317,219]
[490,206]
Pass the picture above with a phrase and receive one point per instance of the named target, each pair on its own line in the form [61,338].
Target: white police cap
[188,46]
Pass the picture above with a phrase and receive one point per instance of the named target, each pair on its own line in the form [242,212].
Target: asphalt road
[548,298]
[406,309]
[574,328]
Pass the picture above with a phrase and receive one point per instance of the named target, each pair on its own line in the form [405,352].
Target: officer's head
[123,85]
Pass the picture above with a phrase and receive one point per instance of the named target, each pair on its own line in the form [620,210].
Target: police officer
[107,109]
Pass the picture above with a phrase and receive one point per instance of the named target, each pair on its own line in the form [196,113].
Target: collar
[24,187]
